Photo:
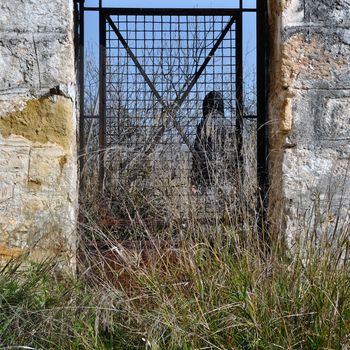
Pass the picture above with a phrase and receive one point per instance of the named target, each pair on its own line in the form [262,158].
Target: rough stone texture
[38,168]
[309,113]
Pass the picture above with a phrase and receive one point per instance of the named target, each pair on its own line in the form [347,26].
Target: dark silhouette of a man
[209,144]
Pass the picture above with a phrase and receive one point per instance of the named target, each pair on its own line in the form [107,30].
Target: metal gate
[172,125]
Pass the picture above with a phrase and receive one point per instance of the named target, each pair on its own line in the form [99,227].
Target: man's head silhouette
[213,103]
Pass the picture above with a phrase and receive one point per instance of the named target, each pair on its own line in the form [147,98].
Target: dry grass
[196,287]
[175,280]
[155,273]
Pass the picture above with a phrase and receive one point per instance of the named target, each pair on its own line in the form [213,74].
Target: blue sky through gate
[249,27]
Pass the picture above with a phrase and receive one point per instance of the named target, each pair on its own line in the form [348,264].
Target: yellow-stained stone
[43,120]
[287,115]
[46,166]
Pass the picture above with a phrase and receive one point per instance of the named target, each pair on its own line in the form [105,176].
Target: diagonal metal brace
[136,62]
[166,110]
[171,110]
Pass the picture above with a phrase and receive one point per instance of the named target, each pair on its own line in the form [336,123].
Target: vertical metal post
[102,99]
[76,35]
[239,92]
[81,74]
[262,111]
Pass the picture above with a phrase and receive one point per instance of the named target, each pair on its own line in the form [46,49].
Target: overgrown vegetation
[199,290]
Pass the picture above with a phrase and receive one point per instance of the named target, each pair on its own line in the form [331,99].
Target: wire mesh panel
[171,108]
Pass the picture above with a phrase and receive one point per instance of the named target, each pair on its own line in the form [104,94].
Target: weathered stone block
[315,58]
[310,91]
[293,12]
[315,182]
[321,119]
[334,122]
[308,170]
[333,12]
[46,169]
[38,166]
[36,16]
[6,192]
[35,60]
[14,159]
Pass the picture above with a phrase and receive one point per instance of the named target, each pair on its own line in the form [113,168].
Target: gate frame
[262,66]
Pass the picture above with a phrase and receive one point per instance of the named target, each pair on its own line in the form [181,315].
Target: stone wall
[38,168]
[309,112]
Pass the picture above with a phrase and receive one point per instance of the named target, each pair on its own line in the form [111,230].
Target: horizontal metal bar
[90,9]
[91,116]
[250,117]
[114,9]
[174,11]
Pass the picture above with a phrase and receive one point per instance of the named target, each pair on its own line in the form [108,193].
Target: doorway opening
[173,123]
